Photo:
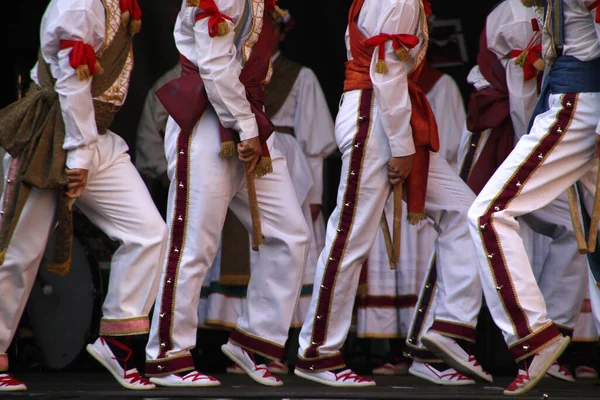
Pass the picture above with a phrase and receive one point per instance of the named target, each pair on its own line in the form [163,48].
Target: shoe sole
[310,377]
[233,358]
[448,357]
[531,384]
[438,382]
[19,388]
[90,349]
[184,385]
[560,377]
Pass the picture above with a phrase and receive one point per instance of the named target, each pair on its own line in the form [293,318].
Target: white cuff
[402,148]
[248,128]
[80,158]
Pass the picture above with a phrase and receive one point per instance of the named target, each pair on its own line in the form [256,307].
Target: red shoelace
[350,375]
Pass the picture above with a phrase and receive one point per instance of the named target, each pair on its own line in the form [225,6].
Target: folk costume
[383,114]
[79,82]
[225,58]
[556,153]
[387,298]
[506,83]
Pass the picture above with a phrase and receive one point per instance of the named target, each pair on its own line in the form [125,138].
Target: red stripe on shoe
[347,212]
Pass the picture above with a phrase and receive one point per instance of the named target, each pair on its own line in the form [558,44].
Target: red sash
[422,120]
[185,98]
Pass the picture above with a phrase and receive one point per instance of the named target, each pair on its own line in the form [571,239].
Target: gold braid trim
[2,257]
[264,167]
[61,269]
[415,218]
[227,149]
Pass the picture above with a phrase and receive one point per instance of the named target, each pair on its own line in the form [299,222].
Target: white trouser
[116,201]
[352,227]
[203,186]
[553,156]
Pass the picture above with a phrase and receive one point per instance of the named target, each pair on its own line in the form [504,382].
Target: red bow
[133,7]
[215,17]
[533,54]
[82,54]
[399,41]
[427,7]
[595,5]
[270,5]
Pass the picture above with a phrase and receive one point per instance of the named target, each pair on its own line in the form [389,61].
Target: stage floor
[100,385]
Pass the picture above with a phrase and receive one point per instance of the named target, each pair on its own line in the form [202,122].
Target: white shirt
[90,22]
[220,59]
[305,109]
[509,27]
[150,159]
[581,32]
[391,88]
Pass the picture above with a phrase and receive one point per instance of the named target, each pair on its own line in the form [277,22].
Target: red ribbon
[215,17]
[427,7]
[82,54]
[133,7]
[399,40]
[595,5]
[270,5]
[529,71]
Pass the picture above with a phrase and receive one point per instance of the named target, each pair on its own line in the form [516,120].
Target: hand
[315,210]
[399,168]
[164,180]
[249,151]
[597,146]
[77,178]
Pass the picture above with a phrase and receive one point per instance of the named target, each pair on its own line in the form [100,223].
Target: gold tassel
[125,18]
[381,67]
[403,54]
[2,256]
[539,64]
[99,69]
[415,218]
[83,72]
[521,58]
[223,28]
[192,3]
[135,26]
[61,269]
[263,167]
[227,149]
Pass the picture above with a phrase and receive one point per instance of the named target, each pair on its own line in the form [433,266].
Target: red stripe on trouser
[452,329]
[177,242]
[3,362]
[425,301]
[491,241]
[169,366]
[348,208]
[404,301]
[535,342]
[257,345]
[321,364]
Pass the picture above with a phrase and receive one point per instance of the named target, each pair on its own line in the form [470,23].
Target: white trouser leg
[276,279]
[22,262]
[564,269]
[459,286]
[351,230]
[117,201]
[553,156]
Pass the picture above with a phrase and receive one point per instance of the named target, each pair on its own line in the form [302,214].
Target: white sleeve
[314,129]
[220,70]
[391,88]
[75,96]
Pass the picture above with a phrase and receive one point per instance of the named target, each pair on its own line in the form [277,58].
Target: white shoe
[561,372]
[449,377]
[277,367]
[400,368]
[191,379]
[259,372]
[10,384]
[346,378]
[452,354]
[585,372]
[542,361]
[235,369]
[130,379]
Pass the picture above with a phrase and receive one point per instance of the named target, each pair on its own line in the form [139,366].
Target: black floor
[100,385]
